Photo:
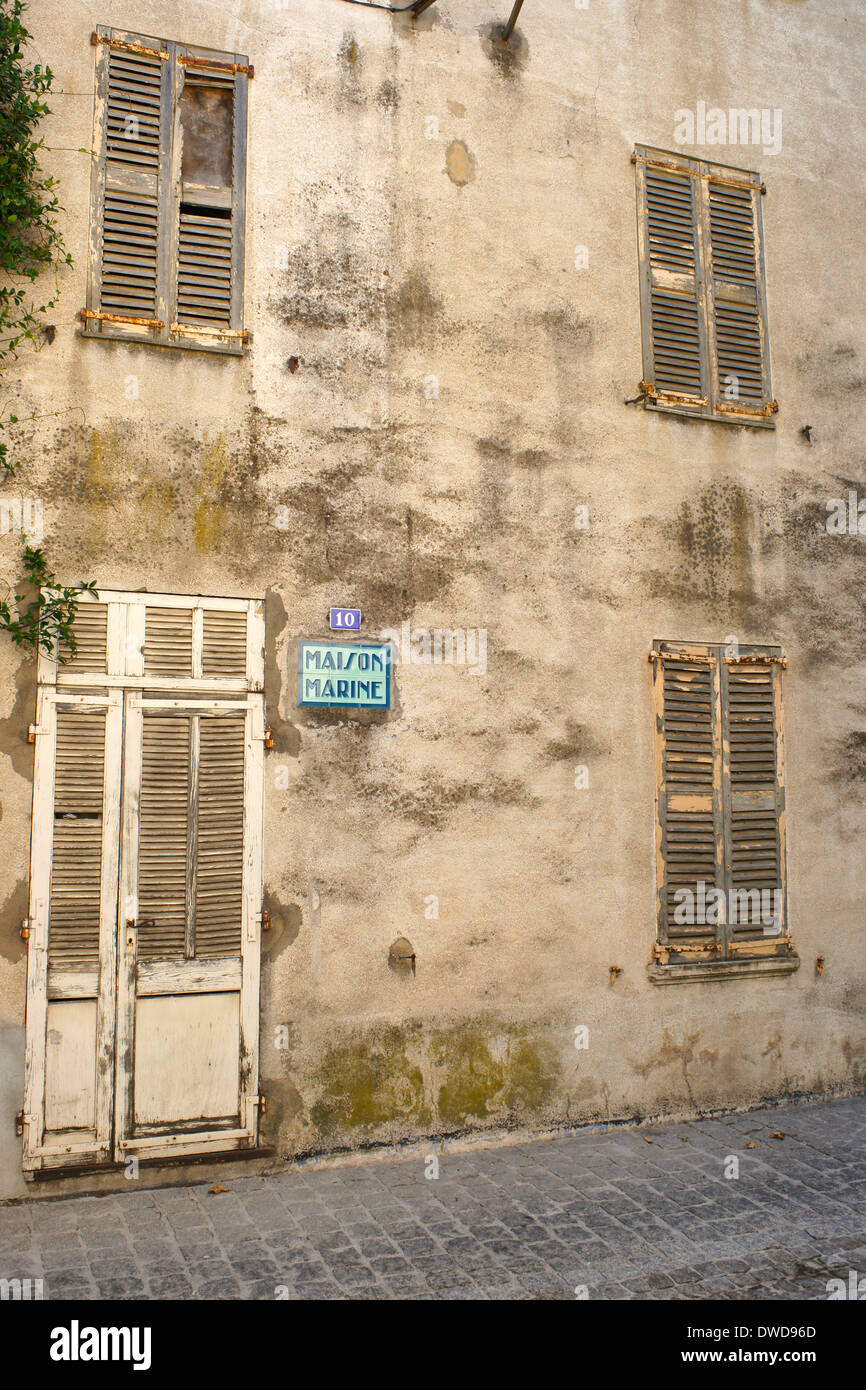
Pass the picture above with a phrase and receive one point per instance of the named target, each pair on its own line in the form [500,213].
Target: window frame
[96,324]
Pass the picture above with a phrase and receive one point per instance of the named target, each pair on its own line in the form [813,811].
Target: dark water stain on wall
[849,761]
[13,729]
[508,59]
[286,919]
[576,741]
[12,914]
[350,68]
[285,1104]
[287,738]
[388,96]
[708,550]
[413,310]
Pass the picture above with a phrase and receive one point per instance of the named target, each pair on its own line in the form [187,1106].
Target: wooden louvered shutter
[126,291]
[672,311]
[72,926]
[168,641]
[165,823]
[219,864]
[689,810]
[211,139]
[738,321]
[91,640]
[191,834]
[79,827]
[224,642]
[754,802]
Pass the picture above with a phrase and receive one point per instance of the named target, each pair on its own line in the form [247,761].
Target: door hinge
[265,919]
[22,1119]
[33,730]
[25,928]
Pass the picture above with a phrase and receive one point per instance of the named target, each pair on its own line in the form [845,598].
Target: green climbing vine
[31,243]
[46,621]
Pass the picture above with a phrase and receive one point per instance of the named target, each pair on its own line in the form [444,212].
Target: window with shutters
[720,824]
[706,348]
[167,220]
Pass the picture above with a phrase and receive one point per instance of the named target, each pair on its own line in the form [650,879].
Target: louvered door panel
[77,848]
[755,851]
[741,371]
[90,631]
[164,835]
[135,94]
[220,840]
[204,269]
[689,803]
[224,643]
[168,641]
[674,326]
[130,245]
[133,110]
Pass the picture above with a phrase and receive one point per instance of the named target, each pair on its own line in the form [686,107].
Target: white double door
[144,926]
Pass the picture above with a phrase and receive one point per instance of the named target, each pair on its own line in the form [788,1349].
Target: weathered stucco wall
[381,258]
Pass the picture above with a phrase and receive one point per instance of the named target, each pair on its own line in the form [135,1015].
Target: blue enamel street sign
[354,675]
[346,619]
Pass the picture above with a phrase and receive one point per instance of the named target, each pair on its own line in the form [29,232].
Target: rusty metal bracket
[671,397]
[122,44]
[771,408]
[755,661]
[665,164]
[87,314]
[191,61]
[694,658]
[192,330]
[662,950]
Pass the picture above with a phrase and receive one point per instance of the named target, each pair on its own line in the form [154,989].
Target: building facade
[545,353]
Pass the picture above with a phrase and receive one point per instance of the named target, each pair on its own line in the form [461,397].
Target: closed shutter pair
[166,256]
[720,831]
[703,296]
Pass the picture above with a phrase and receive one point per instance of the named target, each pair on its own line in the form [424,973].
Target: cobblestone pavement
[624,1217]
